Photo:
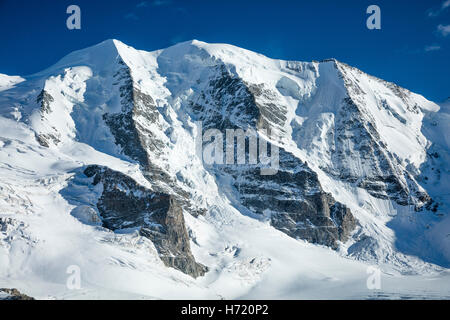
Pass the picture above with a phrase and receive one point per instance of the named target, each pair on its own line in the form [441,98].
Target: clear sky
[411,49]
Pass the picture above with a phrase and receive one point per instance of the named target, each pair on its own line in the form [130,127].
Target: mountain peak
[99,56]
[120,138]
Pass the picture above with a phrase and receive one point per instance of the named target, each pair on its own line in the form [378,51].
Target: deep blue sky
[33,34]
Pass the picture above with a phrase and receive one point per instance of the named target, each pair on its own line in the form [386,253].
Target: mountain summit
[102,158]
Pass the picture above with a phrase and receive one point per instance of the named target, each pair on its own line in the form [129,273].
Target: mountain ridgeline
[350,145]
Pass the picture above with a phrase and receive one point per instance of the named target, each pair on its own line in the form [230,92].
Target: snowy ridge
[7,82]
[358,142]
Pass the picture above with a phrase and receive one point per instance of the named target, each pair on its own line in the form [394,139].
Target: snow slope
[52,124]
[7,82]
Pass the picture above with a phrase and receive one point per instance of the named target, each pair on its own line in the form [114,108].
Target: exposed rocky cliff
[292,198]
[125,204]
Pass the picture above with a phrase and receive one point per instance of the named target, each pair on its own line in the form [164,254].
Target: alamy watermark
[74,20]
[374,280]
[260,152]
[74,280]
[374,20]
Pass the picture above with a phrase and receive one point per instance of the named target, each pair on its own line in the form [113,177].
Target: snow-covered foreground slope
[99,173]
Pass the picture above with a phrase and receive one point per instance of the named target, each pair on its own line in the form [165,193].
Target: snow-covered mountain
[100,169]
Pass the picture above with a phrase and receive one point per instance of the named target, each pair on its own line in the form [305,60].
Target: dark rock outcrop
[131,130]
[44,101]
[14,294]
[385,178]
[135,139]
[295,201]
[126,204]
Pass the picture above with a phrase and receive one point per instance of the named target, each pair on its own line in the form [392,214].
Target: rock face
[311,214]
[125,204]
[353,135]
[293,197]
[44,100]
[385,179]
[13,294]
[135,141]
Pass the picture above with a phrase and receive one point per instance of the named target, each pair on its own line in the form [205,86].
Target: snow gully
[193,310]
